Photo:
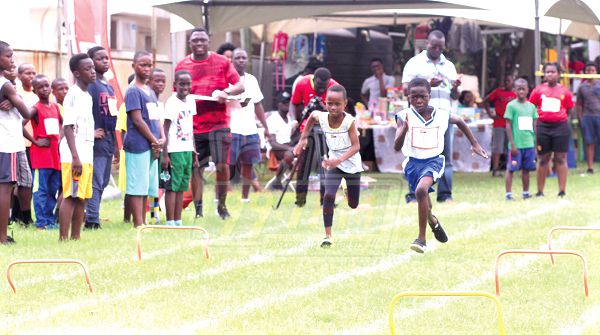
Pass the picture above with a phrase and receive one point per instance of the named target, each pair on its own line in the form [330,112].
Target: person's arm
[486,104]
[70,137]
[11,96]
[454,94]
[511,141]
[382,88]
[579,106]
[166,161]
[259,111]
[475,147]
[41,142]
[142,127]
[401,130]
[295,112]
[313,118]
[354,148]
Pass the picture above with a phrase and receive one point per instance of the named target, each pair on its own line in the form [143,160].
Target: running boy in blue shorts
[179,150]
[420,135]
[77,147]
[521,118]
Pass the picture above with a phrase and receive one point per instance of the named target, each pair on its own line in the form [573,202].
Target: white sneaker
[327,242]
[245,201]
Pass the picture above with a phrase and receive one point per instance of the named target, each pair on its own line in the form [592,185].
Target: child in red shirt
[45,160]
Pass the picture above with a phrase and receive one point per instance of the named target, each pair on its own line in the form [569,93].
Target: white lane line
[383,265]
[588,319]
[381,325]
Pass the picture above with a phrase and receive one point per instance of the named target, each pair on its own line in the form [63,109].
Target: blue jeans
[44,198]
[444,191]
[100,179]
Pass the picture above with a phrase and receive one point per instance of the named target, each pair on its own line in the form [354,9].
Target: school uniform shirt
[78,113]
[424,139]
[11,127]
[553,103]
[420,66]
[500,98]
[338,142]
[522,117]
[243,120]
[181,132]
[146,102]
[105,115]
[47,126]
[213,73]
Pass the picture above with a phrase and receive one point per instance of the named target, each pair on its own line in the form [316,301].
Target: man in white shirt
[280,141]
[431,65]
[245,145]
[376,86]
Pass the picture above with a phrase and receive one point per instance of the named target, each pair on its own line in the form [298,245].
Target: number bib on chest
[425,138]
[338,141]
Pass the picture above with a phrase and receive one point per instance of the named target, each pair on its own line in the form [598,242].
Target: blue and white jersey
[425,138]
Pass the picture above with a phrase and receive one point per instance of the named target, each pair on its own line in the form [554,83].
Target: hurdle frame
[47,261]
[401,295]
[572,228]
[543,252]
[159,227]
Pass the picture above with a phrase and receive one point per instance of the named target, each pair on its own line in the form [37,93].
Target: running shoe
[539,195]
[199,211]
[526,196]
[509,197]
[327,242]
[438,231]
[223,213]
[419,246]
[590,171]
[561,194]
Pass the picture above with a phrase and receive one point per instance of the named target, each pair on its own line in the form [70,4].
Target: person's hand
[331,164]
[6,105]
[300,146]
[99,133]
[220,95]
[294,125]
[457,82]
[435,81]
[116,157]
[267,134]
[76,167]
[514,152]
[288,157]
[165,164]
[196,162]
[158,144]
[477,149]
[42,142]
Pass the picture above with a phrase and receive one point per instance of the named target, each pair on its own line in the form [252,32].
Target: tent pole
[559,42]
[205,14]
[537,44]
[483,67]
[261,62]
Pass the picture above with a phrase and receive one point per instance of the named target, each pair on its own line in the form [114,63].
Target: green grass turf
[268,274]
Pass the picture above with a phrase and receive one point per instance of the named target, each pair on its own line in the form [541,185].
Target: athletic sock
[170,222]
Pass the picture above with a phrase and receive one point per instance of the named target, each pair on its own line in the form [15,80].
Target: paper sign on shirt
[112,107]
[51,126]
[526,123]
[153,113]
[550,104]
[424,138]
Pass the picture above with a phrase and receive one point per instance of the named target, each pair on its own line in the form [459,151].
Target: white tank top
[338,142]
[11,127]
[425,138]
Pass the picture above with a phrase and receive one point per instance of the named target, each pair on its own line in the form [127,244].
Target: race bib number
[424,138]
[338,141]
[526,123]
[550,104]
[51,126]
[153,113]
[160,107]
[112,107]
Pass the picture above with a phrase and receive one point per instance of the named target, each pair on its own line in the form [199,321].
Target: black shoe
[561,194]
[590,171]
[439,232]
[539,195]
[409,197]
[10,240]
[223,213]
[419,246]
[92,225]
[199,211]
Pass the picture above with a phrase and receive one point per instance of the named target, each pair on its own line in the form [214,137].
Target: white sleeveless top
[11,127]
[338,142]
[424,139]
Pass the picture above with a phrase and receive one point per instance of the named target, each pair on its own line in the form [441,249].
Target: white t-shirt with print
[181,131]
[78,113]
[338,142]
[243,120]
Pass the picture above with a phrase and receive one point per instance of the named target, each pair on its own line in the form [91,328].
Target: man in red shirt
[309,94]
[212,75]
[500,97]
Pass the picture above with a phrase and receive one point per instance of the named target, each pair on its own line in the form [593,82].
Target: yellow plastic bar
[588,228]
[572,75]
[141,229]
[48,261]
[398,296]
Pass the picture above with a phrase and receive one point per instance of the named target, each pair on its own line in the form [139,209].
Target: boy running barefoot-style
[344,158]
[420,135]
[179,151]
[521,117]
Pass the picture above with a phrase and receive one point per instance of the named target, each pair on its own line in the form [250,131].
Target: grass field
[268,274]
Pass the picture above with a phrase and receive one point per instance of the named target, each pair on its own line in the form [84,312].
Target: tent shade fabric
[574,10]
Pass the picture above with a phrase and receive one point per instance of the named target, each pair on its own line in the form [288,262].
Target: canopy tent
[231,15]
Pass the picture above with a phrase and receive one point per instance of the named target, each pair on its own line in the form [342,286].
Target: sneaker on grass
[327,242]
[438,231]
[419,246]
[223,213]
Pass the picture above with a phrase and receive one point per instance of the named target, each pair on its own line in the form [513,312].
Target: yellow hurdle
[398,296]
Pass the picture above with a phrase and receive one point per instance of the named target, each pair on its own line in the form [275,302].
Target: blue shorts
[590,126]
[245,148]
[525,160]
[415,169]
[142,174]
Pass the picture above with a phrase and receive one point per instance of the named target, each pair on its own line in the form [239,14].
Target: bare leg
[525,179]
[424,204]
[197,183]
[562,170]
[246,180]
[137,209]
[495,162]
[178,205]
[5,198]
[542,171]
[170,204]
[589,155]
[66,217]
[127,209]
[78,214]
[144,206]
[508,181]
[222,182]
